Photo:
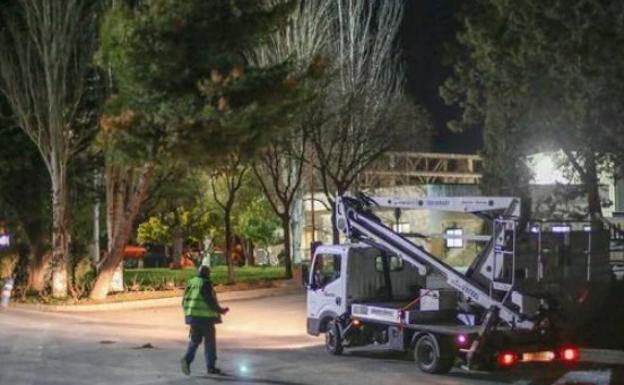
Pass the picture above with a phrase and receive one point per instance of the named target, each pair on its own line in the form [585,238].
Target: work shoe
[214,371]
[184,365]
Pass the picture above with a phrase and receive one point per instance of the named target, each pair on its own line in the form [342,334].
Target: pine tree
[183,90]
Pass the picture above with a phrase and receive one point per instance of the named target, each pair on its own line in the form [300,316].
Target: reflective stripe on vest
[194,303]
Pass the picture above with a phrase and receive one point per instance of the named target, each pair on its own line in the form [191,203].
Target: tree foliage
[254,219]
[154,231]
[182,88]
[542,75]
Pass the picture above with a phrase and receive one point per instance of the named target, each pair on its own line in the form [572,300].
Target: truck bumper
[313,326]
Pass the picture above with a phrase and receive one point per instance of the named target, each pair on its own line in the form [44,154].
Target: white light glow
[545,171]
[5,240]
[560,229]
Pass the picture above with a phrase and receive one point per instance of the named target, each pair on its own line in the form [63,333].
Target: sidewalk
[160,302]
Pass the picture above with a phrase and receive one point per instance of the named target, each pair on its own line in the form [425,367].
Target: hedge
[160,278]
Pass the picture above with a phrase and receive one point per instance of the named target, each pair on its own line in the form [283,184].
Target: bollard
[6,292]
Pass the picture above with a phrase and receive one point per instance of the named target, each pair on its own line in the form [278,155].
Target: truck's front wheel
[433,356]
[333,339]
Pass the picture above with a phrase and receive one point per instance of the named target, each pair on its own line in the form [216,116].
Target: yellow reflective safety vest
[194,303]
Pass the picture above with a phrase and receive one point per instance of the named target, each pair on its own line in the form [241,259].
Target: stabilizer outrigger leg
[474,356]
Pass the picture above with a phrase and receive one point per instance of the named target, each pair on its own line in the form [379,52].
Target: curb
[602,356]
[159,302]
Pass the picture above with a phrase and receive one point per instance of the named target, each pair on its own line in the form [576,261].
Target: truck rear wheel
[434,355]
[333,339]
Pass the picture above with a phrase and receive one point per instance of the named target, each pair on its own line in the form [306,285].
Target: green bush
[166,279]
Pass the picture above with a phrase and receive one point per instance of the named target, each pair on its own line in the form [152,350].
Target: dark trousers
[202,331]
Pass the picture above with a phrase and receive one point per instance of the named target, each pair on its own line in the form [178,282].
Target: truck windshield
[326,269]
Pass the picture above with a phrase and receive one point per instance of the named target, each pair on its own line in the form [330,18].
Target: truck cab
[341,275]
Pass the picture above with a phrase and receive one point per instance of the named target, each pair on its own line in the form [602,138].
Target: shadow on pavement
[248,380]
[380,355]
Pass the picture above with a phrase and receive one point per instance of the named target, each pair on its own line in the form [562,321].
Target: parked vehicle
[383,288]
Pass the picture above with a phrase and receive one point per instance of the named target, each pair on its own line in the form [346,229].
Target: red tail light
[507,358]
[569,354]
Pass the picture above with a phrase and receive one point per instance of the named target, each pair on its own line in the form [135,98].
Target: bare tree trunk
[38,268]
[592,185]
[228,244]
[121,233]
[96,225]
[40,254]
[251,261]
[335,231]
[232,175]
[287,246]
[178,246]
[60,236]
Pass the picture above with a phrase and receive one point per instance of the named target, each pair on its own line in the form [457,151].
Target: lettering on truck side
[438,202]
[382,312]
[467,290]
[360,309]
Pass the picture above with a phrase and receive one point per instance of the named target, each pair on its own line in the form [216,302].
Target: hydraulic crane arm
[455,204]
[354,219]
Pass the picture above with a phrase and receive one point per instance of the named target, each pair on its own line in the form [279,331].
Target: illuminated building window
[402,228]
[560,229]
[453,238]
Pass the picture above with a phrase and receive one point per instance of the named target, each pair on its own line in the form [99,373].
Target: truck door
[326,289]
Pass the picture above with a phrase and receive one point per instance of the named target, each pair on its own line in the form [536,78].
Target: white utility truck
[383,288]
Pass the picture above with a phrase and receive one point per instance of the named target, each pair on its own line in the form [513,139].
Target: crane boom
[354,219]
[454,204]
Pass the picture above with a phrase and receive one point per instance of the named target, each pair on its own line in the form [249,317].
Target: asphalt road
[262,341]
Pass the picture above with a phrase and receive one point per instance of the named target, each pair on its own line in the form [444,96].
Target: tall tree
[183,89]
[280,173]
[548,73]
[366,111]
[46,49]
[279,168]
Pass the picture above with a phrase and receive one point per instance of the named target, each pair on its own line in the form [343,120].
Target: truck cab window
[394,263]
[326,270]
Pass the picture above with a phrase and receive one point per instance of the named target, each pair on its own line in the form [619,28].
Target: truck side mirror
[305,275]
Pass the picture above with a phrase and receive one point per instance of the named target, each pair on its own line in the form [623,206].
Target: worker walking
[201,312]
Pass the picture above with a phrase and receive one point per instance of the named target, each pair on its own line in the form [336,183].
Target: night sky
[430,25]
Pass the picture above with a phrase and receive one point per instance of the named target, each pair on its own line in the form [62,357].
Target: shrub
[168,279]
